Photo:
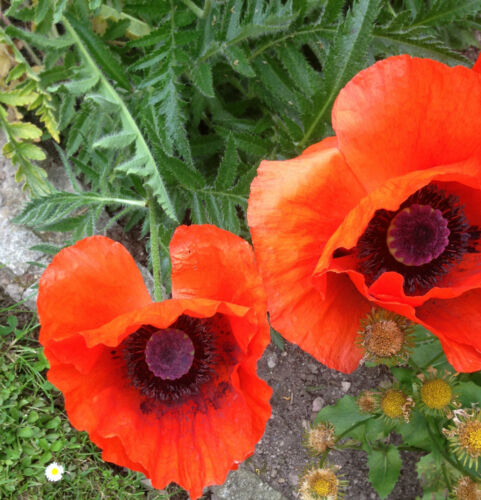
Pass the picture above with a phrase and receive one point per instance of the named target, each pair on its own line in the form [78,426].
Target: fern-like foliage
[20,90]
[180,101]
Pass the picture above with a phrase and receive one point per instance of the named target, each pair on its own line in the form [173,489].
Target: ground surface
[301,385]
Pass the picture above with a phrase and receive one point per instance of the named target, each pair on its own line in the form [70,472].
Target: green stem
[345,433]
[154,250]
[200,13]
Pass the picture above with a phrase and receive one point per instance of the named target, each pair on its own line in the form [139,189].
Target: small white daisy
[54,471]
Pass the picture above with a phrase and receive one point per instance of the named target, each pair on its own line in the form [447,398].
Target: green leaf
[415,432]
[115,141]
[100,53]
[384,468]
[228,168]
[18,97]
[343,415]
[469,393]
[25,130]
[202,78]
[347,56]
[277,339]
[238,60]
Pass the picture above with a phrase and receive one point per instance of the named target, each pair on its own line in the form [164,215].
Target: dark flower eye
[181,363]
[156,382]
[422,241]
[384,214]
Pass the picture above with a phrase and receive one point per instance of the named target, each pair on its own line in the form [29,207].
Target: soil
[298,381]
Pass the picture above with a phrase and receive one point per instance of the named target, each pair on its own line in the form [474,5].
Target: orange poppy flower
[386,213]
[168,388]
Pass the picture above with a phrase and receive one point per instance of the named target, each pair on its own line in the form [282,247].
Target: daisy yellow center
[436,394]
[54,471]
[384,338]
[470,437]
[392,403]
[322,487]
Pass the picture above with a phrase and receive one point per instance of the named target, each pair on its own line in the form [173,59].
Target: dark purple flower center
[417,235]
[169,354]
[190,361]
[423,240]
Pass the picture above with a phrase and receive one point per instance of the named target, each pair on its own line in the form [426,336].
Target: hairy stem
[345,433]
[200,13]
[154,250]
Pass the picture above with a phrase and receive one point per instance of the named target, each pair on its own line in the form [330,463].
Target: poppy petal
[294,207]
[191,443]
[81,288]
[477,65]
[436,110]
[389,196]
[459,320]
[212,263]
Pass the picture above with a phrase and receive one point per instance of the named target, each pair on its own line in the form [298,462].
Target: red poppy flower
[386,213]
[168,388]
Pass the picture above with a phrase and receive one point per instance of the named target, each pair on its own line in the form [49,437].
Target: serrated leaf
[202,78]
[228,167]
[238,60]
[31,151]
[100,52]
[186,176]
[115,141]
[149,60]
[38,40]
[347,56]
[384,468]
[18,97]
[77,87]
[415,432]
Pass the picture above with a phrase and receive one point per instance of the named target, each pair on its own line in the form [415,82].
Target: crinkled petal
[459,321]
[211,263]
[87,285]
[405,114]
[194,443]
[294,208]
[461,179]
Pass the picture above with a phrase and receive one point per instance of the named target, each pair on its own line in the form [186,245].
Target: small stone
[312,367]
[293,478]
[345,385]
[271,360]
[318,404]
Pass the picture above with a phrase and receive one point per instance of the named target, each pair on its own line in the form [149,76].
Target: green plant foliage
[384,469]
[20,89]
[186,102]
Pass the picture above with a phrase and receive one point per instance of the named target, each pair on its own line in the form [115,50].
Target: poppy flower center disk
[417,235]
[169,354]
